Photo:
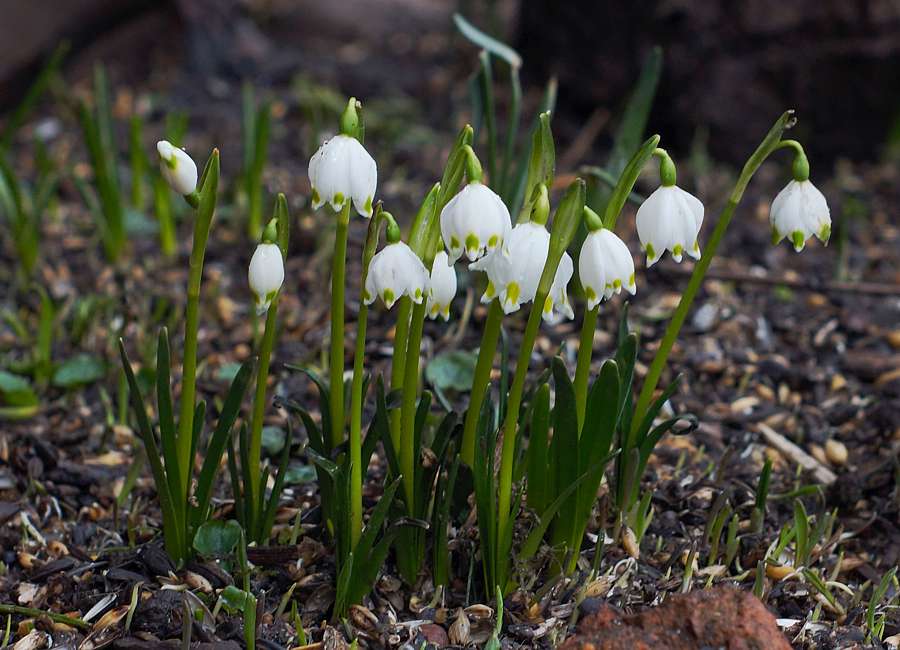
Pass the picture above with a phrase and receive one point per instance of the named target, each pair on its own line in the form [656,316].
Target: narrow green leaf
[164,406]
[487,42]
[220,437]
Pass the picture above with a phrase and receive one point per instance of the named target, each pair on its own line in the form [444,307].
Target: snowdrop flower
[605,265]
[266,273]
[515,271]
[177,168]
[670,218]
[342,170]
[441,287]
[800,212]
[395,271]
[475,221]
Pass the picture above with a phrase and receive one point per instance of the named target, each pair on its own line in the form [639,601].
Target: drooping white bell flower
[475,221]
[799,212]
[557,305]
[395,271]
[605,266]
[514,271]
[441,287]
[177,168]
[669,220]
[340,171]
[266,274]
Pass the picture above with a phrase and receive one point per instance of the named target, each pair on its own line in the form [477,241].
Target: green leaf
[173,526]
[220,439]
[454,370]
[236,601]
[631,128]
[538,450]
[217,538]
[16,390]
[78,371]
[487,42]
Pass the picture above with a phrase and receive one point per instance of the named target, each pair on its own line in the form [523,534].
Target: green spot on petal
[651,252]
[339,198]
[678,250]
[631,280]
[367,207]
[388,297]
[798,240]
[315,196]
[548,305]
[776,236]
[590,294]
[418,294]
[825,233]
[472,243]
[512,292]
[490,292]
[617,283]
[454,242]
[493,241]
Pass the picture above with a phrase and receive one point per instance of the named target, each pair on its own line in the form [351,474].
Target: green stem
[204,202]
[513,403]
[770,143]
[398,364]
[256,422]
[583,365]
[482,378]
[53,616]
[338,272]
[356,396]
[408,406]
[356,386]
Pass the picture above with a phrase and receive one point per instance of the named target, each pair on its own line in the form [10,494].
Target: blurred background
[729,67]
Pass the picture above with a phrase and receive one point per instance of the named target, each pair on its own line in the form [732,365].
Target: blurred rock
[721,617]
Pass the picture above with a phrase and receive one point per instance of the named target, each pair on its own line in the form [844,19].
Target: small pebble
[836,452]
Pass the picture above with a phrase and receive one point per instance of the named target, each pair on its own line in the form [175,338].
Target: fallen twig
[821,473]
[809,284]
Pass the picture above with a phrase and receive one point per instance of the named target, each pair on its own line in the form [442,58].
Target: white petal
[177,168]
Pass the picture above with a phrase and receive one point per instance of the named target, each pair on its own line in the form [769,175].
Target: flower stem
[256,422]
[356,386]
[205,204]
[770,143]
[356,469]
[408,405]
[583,365]
[513,403]
[398,364]
[482,378]
[336,366]
[53,616]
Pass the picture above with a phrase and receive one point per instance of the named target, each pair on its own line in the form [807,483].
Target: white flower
[340,171]
[475,221]
[395,271]
[266,274]
[515,271]
[177,168]
[670,219]
[799,212]
[441,287]
[605,266]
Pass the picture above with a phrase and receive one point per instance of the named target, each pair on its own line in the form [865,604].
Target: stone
[721,617]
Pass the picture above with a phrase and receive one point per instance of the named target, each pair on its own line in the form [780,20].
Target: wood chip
[791,451]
